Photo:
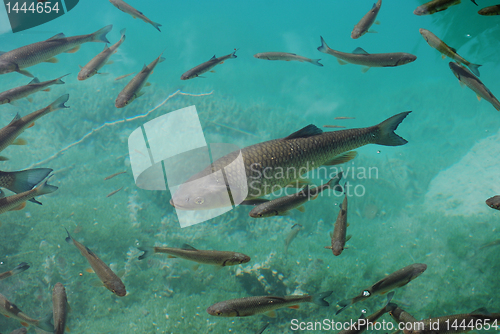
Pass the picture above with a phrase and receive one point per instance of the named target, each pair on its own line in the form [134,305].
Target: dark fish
[126,8]
[446,50]
[113,175]
[243,307]
[32,54]
[361,57]
[133,89]
[490,244]
[100,60]
[393,281]
[24,180]
[262,329]
[366,22]
[489,11]
[470,80]
[12,311]
[363,323]
[114,192]
[494,202]
[112,282]
[339,237]
[292,156]
[402,317]
[293,233]
[206,66]
[14,94]
[17,270]
[18,201]
[282,205]
[286,57]
[60,305]
[457,323]
[435,6]
[187,252]
[9,133]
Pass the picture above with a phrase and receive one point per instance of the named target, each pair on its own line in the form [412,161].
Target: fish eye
[199,200]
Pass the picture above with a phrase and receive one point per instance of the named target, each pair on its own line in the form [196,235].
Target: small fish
[282,205]
[446,50]
[187,252]
[402,317]
[12,311]
[126,8]
[366,22]
[9,133]
[339,237]
[293,233]
[343,117]
[286,57]
[18,201]
[133,89]
[112,282]
[113,175]
[334,126]
[363,323]
[435,6]
[467,78]
[490,11]
[17,270]
[361,57]
[490,244]
[123,76]
[262,329]
[457,323]
[24,180]
[60,305]
[393,281]
[114,192]
[32,54]
[243,307]
[14,94]
[100,60]
[206,66]
[494,202]
[303,150]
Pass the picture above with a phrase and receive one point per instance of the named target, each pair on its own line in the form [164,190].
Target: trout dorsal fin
[359,51]
[308,131]
[60,35]
[188,247]
[16,118]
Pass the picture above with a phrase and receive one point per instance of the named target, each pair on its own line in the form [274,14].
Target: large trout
[273,164]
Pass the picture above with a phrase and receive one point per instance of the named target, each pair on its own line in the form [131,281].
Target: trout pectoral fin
[45,90]
[30,99]
[365,69]
[51,60]
[89,270]
[73,50]
[19,207]
[443,56]
[295,307]
[172,257]
[19,141]
[302,208]
[341,158]
[478,97]
[341,62]
[271,314]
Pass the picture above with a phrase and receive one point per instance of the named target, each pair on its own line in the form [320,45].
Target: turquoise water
[426,204]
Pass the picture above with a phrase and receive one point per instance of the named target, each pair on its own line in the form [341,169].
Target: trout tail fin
[386,135]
